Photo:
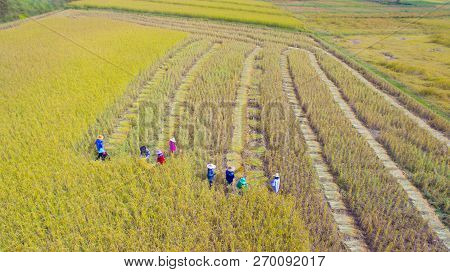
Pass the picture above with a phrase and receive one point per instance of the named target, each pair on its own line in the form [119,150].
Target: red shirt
[161,159]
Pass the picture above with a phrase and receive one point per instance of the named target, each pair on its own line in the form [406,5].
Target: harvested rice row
[178,96]
[255,146]
[417,150]
[414,195]
[234,155]
[418,114]
[431,118]
[204,124]
[286,153]
[389,98]
[209,29]
[381,206]
[353,237]
[128,119]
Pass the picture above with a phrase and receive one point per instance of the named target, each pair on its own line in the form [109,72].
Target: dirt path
[179,96]
[394,102]
[353,237]
[414,195]
[234,155]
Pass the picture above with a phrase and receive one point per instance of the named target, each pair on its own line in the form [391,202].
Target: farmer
[172,145]
[145,152]
[229,174]
[242,184]
[275,183]
[211,173]
[100,149]
[160,157]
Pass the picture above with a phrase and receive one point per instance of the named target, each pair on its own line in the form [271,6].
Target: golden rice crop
[238,14]
[412,147]
[410,102]
[57,97]
[251,6]
[51,91]
[286,153]
[205,127]
[382,209]
[56,199]
[205,122]
[154,112]
[389,44]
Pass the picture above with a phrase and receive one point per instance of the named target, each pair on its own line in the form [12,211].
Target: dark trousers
[101,156]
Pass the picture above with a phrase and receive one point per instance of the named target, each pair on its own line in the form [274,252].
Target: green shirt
[242,183]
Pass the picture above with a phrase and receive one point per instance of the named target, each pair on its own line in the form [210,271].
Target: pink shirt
[172,146]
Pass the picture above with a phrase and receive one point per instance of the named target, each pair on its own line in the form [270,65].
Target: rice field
[407,44]
[56,198]
[262,13]
[362,167]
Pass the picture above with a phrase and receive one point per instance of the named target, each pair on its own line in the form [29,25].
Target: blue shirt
[229,175]
[210,174]
[99,145]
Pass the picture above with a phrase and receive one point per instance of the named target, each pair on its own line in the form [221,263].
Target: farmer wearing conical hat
[172,145]
[229,174]
[160,157]
[100,149]
[211,173]
[275,183]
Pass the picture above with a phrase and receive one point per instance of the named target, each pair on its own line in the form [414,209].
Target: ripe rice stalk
[424,157]
[242,32]
[352,236]
[364,181]
[433,119]
[286,154]
[284,20]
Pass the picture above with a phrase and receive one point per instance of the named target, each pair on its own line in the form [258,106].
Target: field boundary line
[234,155]
[180,94]
[414,195]
[353,236]
[394,102]
[125,122]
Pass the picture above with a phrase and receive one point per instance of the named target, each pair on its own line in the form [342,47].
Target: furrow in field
[234,155]
[180,94]
[353,237]
[125,123]
[415,197]
[394,102]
